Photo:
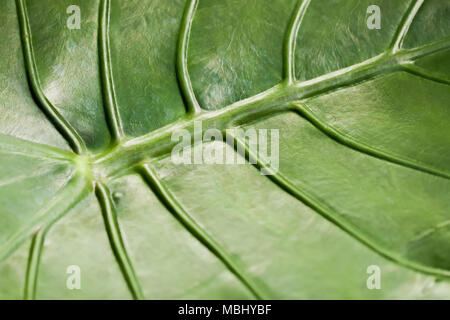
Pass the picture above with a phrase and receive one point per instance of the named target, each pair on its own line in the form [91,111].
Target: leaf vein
[187,221]
[64,127]
[328,213]
[348,141]
[116,240]
[291,39]
[184,80]
[404,26]
[108,91]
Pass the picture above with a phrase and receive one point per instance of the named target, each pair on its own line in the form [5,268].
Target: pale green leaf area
[92,205]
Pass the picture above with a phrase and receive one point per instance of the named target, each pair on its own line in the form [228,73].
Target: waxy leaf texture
[86,177]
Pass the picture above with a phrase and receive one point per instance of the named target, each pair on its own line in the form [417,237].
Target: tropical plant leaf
[87,117]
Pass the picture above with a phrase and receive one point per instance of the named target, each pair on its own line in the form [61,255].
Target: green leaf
[87,178]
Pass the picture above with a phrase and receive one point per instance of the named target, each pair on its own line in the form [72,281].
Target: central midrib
[131,152]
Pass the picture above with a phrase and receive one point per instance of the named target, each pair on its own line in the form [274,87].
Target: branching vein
[404,27]
[291,40]
[182,54]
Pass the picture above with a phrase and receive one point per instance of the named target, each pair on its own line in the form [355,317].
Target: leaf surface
[87,179]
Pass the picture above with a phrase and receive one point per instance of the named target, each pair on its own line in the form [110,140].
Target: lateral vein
[285,184]
[56,208]
[177,210]
[291,40]
[63,126]
[184,80]
[34,259]
[406,23]
[116,241]
[348,141]
[108,90]
[425,74]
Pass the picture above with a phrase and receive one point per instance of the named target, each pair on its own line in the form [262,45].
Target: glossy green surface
[400,211]
[290,250]
[143,50]
[343,38]
[437,64]
[67,63]
[19,116]
[235,50]
[86,177]
[394,122]
[433,15]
